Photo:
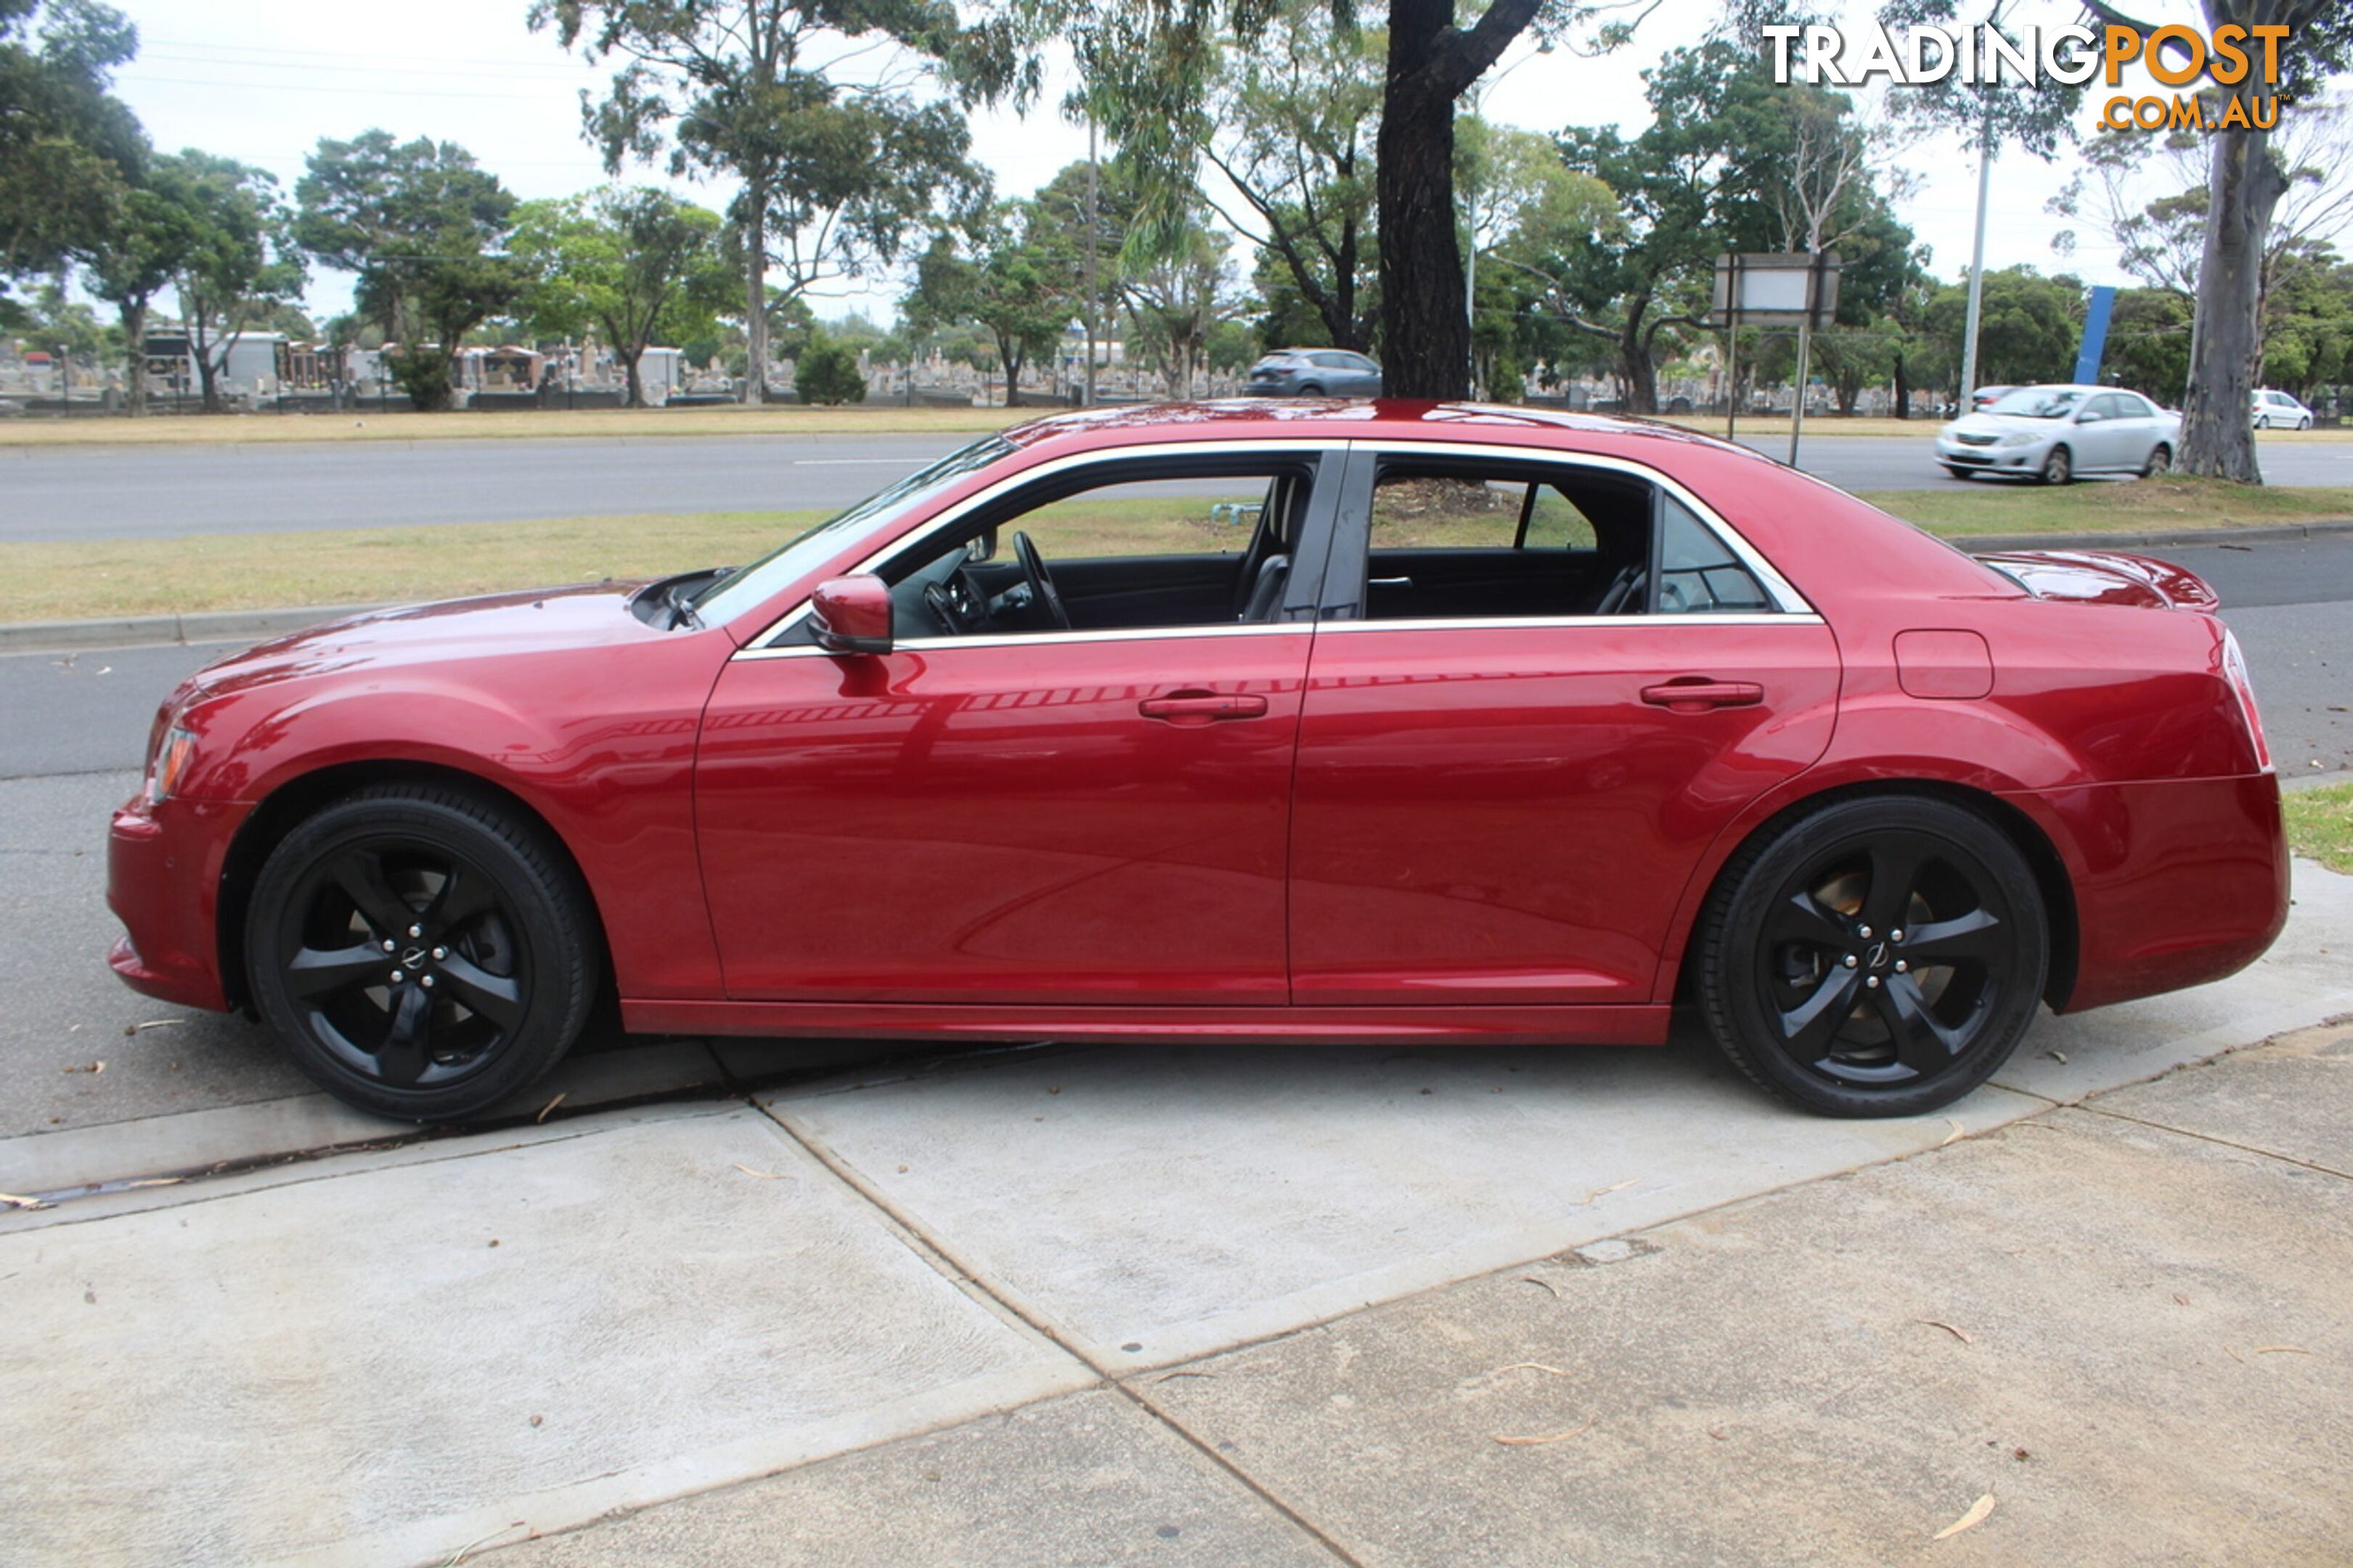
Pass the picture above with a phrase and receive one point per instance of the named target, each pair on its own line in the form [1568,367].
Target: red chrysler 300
[1321,721]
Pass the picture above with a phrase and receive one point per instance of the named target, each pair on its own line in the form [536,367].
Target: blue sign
[2096,336]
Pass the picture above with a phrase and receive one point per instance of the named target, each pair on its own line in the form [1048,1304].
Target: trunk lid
[2105,578]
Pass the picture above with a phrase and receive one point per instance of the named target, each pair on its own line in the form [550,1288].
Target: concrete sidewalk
[1236,1306]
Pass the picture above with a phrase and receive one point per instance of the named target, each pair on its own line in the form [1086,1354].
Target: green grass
[2320,824]
[2136,506]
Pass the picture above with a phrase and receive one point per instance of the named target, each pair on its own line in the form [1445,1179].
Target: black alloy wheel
[1881,957]
[422,955]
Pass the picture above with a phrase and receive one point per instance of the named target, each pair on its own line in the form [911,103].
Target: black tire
[2160,461]
[1311,390]
[2059,467]
[490,936]
[1957,471]
[1868,1037]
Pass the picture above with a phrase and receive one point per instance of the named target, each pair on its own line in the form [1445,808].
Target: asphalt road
[72,728]
[172,492]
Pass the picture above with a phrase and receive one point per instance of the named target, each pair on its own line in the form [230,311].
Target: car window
[2132,406]
[1451,541]
[1359,361]
[1697,574]
[2038,403]
[2104,407]
[1179,547]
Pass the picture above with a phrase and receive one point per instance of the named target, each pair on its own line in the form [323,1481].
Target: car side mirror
[852,615]
[2088,418]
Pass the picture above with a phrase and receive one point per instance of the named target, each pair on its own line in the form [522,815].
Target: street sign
[1768,289]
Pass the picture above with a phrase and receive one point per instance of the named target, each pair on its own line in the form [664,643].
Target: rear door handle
[1692,695]
[1201,707]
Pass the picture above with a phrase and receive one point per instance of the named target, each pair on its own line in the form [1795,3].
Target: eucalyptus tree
[426,230]
[837,170]
[70,151]
[1146,67]
[634,264]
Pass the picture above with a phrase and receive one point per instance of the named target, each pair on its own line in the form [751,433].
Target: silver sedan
[2055,433]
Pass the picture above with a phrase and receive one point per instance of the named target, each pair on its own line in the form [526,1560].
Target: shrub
[828,373]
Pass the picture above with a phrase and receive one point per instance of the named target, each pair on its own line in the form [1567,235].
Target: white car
[2277,408]
[2055,433]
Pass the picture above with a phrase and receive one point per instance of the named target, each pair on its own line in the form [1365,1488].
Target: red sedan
[1306,720]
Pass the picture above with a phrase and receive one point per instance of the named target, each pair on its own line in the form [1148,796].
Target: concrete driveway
[1080,1306]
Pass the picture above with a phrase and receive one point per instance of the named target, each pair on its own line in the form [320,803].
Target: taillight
[2234,665]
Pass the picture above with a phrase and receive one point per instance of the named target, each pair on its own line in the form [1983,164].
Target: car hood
[590,615]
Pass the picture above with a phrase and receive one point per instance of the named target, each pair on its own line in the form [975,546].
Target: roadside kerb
[233,625]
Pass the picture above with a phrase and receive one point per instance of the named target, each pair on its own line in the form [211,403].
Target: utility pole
[1976,267]
[1094,237]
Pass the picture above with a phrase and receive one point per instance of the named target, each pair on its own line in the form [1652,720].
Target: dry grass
[2134,506]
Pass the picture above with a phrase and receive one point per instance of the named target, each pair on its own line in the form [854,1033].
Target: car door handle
[1692,695]
[1201,707]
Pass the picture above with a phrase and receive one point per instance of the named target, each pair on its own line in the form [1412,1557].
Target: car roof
[1243,419]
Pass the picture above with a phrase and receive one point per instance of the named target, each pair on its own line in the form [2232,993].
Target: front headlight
[171,765]
[2021,438]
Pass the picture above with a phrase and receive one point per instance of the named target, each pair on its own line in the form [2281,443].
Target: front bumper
[164,865]
[2024,459]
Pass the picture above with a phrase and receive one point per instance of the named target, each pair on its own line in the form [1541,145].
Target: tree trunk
[1636,377]
[134,344]
[755,293]
[2218,436]
[1425,340]
[636,398]
[1012,374]
[1903,388]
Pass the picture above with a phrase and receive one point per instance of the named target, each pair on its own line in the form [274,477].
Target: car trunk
[2105,578]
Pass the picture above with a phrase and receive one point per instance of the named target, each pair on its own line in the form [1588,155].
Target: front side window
[1187,545]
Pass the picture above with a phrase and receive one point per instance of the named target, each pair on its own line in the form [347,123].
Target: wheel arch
[2027,836]
[297,798]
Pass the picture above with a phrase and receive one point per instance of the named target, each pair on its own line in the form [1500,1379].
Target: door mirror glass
[852,615]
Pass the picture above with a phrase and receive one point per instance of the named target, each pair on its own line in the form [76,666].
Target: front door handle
[1693,694]
[1201,707]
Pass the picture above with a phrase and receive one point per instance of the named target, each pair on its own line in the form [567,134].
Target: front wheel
[421,951]
[1879,957]
[1957,471]
[2059,467]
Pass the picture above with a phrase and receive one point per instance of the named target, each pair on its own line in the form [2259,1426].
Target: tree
[237,265]
[2246,182]
[638,264]
[827,371]
[834,175]
[1011,286]
[1513,182]
[1292,118]
[2148,342]
[425,229]
[2030,327]
[69,150]
[1177,300]
[130,261]
[1146,69]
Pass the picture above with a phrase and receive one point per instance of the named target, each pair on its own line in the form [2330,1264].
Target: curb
[150,631]
[253,626]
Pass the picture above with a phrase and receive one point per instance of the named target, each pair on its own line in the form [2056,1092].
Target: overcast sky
[261,81]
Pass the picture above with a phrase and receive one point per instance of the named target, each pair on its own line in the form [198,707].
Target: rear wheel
[2160,461]
[1880,957]
[421,952]
[2059,467]
[1311,390]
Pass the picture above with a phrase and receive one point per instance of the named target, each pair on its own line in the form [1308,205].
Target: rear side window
[1697,574]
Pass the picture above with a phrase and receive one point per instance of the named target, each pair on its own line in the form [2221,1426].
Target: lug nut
[398,977]
[1902,967]
[1895,936]
[426,981]
[416,930]
[1851,961]
[389,946]
[1873,982]
[1863,931]
[440,953]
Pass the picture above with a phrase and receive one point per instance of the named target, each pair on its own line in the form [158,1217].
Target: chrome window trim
[763,644]
[1523,623]
[1787,596]
[1024,639]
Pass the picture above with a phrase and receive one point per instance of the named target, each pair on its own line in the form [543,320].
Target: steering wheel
[1041,587]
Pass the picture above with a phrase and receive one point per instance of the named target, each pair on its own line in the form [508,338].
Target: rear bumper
[163,867]
[2177,883]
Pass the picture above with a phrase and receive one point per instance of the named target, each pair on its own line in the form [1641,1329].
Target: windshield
[747,586]
[2038,403]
